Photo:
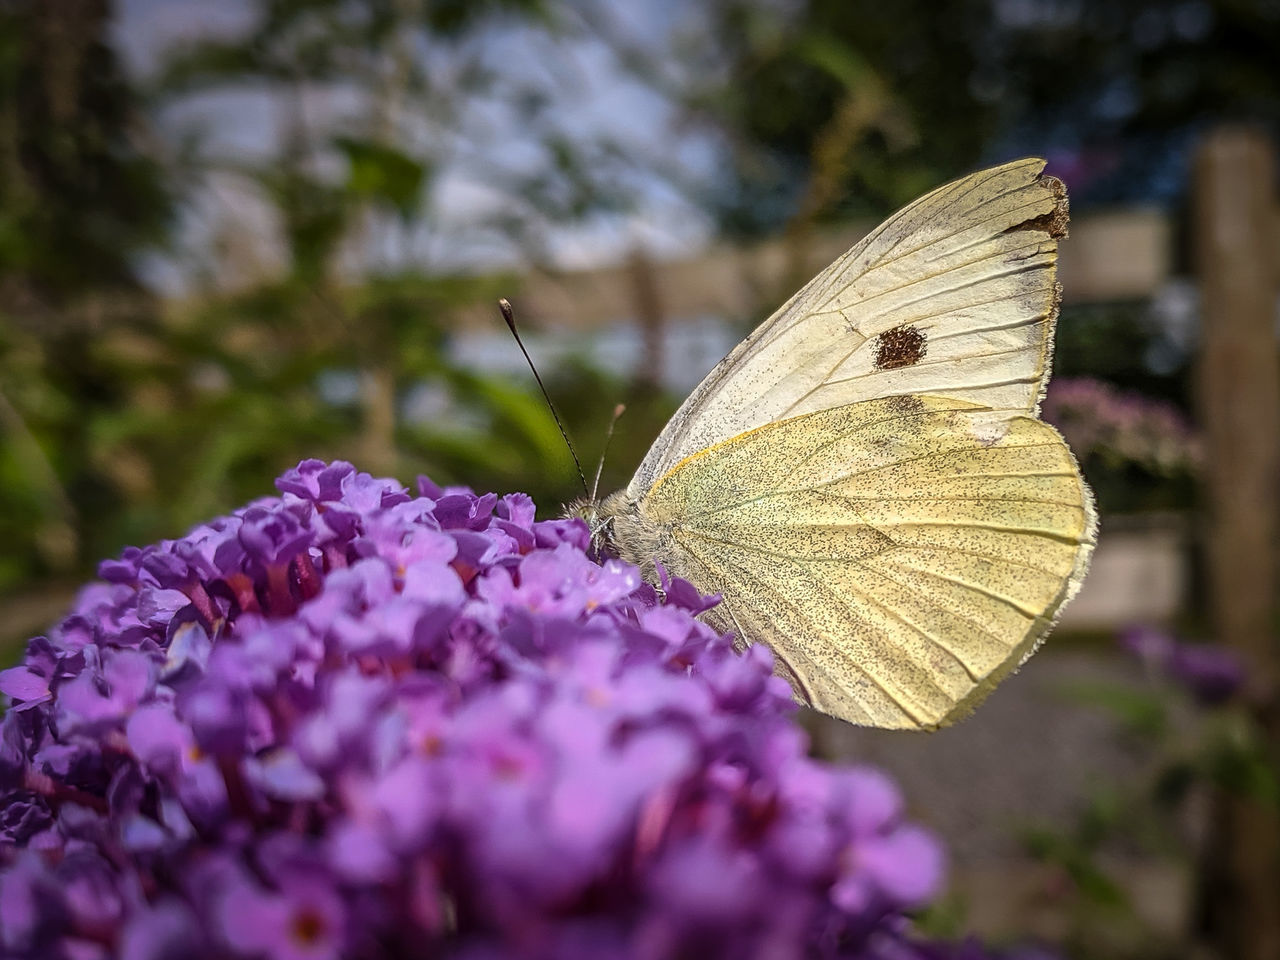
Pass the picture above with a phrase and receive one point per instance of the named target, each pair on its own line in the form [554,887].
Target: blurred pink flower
[1098,418]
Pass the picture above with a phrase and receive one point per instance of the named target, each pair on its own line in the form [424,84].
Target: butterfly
[864,479]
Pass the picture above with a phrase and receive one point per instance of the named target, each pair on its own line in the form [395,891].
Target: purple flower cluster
[352,721]
[1211,674]
[1096,417]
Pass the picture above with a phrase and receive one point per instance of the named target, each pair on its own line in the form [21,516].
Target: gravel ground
[1031,756]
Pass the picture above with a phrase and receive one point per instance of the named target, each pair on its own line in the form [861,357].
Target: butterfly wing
[953,296]
[899,555]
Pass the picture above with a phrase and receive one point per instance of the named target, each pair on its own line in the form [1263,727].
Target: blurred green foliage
[123,418]
[849,107]
[78,194]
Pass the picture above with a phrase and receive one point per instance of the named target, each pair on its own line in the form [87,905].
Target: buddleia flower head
[355,720]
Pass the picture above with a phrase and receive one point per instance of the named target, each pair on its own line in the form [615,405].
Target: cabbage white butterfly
[864,479]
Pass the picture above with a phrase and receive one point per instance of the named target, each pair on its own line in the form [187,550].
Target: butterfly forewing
[953,295]
[899,555]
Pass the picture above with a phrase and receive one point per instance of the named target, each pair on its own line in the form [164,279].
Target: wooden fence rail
[1122,255]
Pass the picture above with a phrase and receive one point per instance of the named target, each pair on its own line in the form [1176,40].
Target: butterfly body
[864,479]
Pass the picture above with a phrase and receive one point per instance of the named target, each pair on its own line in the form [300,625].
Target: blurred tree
[839,109]
[79,194]
[1234,209]
[1114,89]
[122,422]
[343,184]
[80,198]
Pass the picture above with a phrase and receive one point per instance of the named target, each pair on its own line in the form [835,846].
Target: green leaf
[1077,861]
[1143,713]
[384,173]
[841,61]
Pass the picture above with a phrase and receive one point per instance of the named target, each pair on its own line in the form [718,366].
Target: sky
[591,98]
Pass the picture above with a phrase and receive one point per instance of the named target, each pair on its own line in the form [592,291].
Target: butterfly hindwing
[899,555]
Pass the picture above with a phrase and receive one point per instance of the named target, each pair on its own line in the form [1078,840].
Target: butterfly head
[598,515]
[617,529]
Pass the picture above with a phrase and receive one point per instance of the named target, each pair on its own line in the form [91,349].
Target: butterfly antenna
[510,317]
[613,422]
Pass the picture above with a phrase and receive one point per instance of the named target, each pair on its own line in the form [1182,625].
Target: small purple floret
[1212,674]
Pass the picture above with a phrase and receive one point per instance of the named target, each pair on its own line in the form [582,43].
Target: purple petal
[21,684]
[282,774]
[907,865]
[168,930]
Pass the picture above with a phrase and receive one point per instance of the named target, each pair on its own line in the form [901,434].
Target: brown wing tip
[1055,221]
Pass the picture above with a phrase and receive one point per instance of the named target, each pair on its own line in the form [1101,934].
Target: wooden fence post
[650,317]
[1234,210]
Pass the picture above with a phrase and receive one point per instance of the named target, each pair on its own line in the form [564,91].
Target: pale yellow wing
[954,295]
[899,555]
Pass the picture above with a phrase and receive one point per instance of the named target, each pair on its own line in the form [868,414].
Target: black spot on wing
[899,347]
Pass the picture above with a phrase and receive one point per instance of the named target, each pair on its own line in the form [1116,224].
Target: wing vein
[1044,534]
[1022,267]
[938,391]
[897,615]
[972,587]
[934,317]
[927,548]
[951,613]
[748,577]
[970,331]
[983,237]
[780,486]
[937,499]
[936,198]
[943,453]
